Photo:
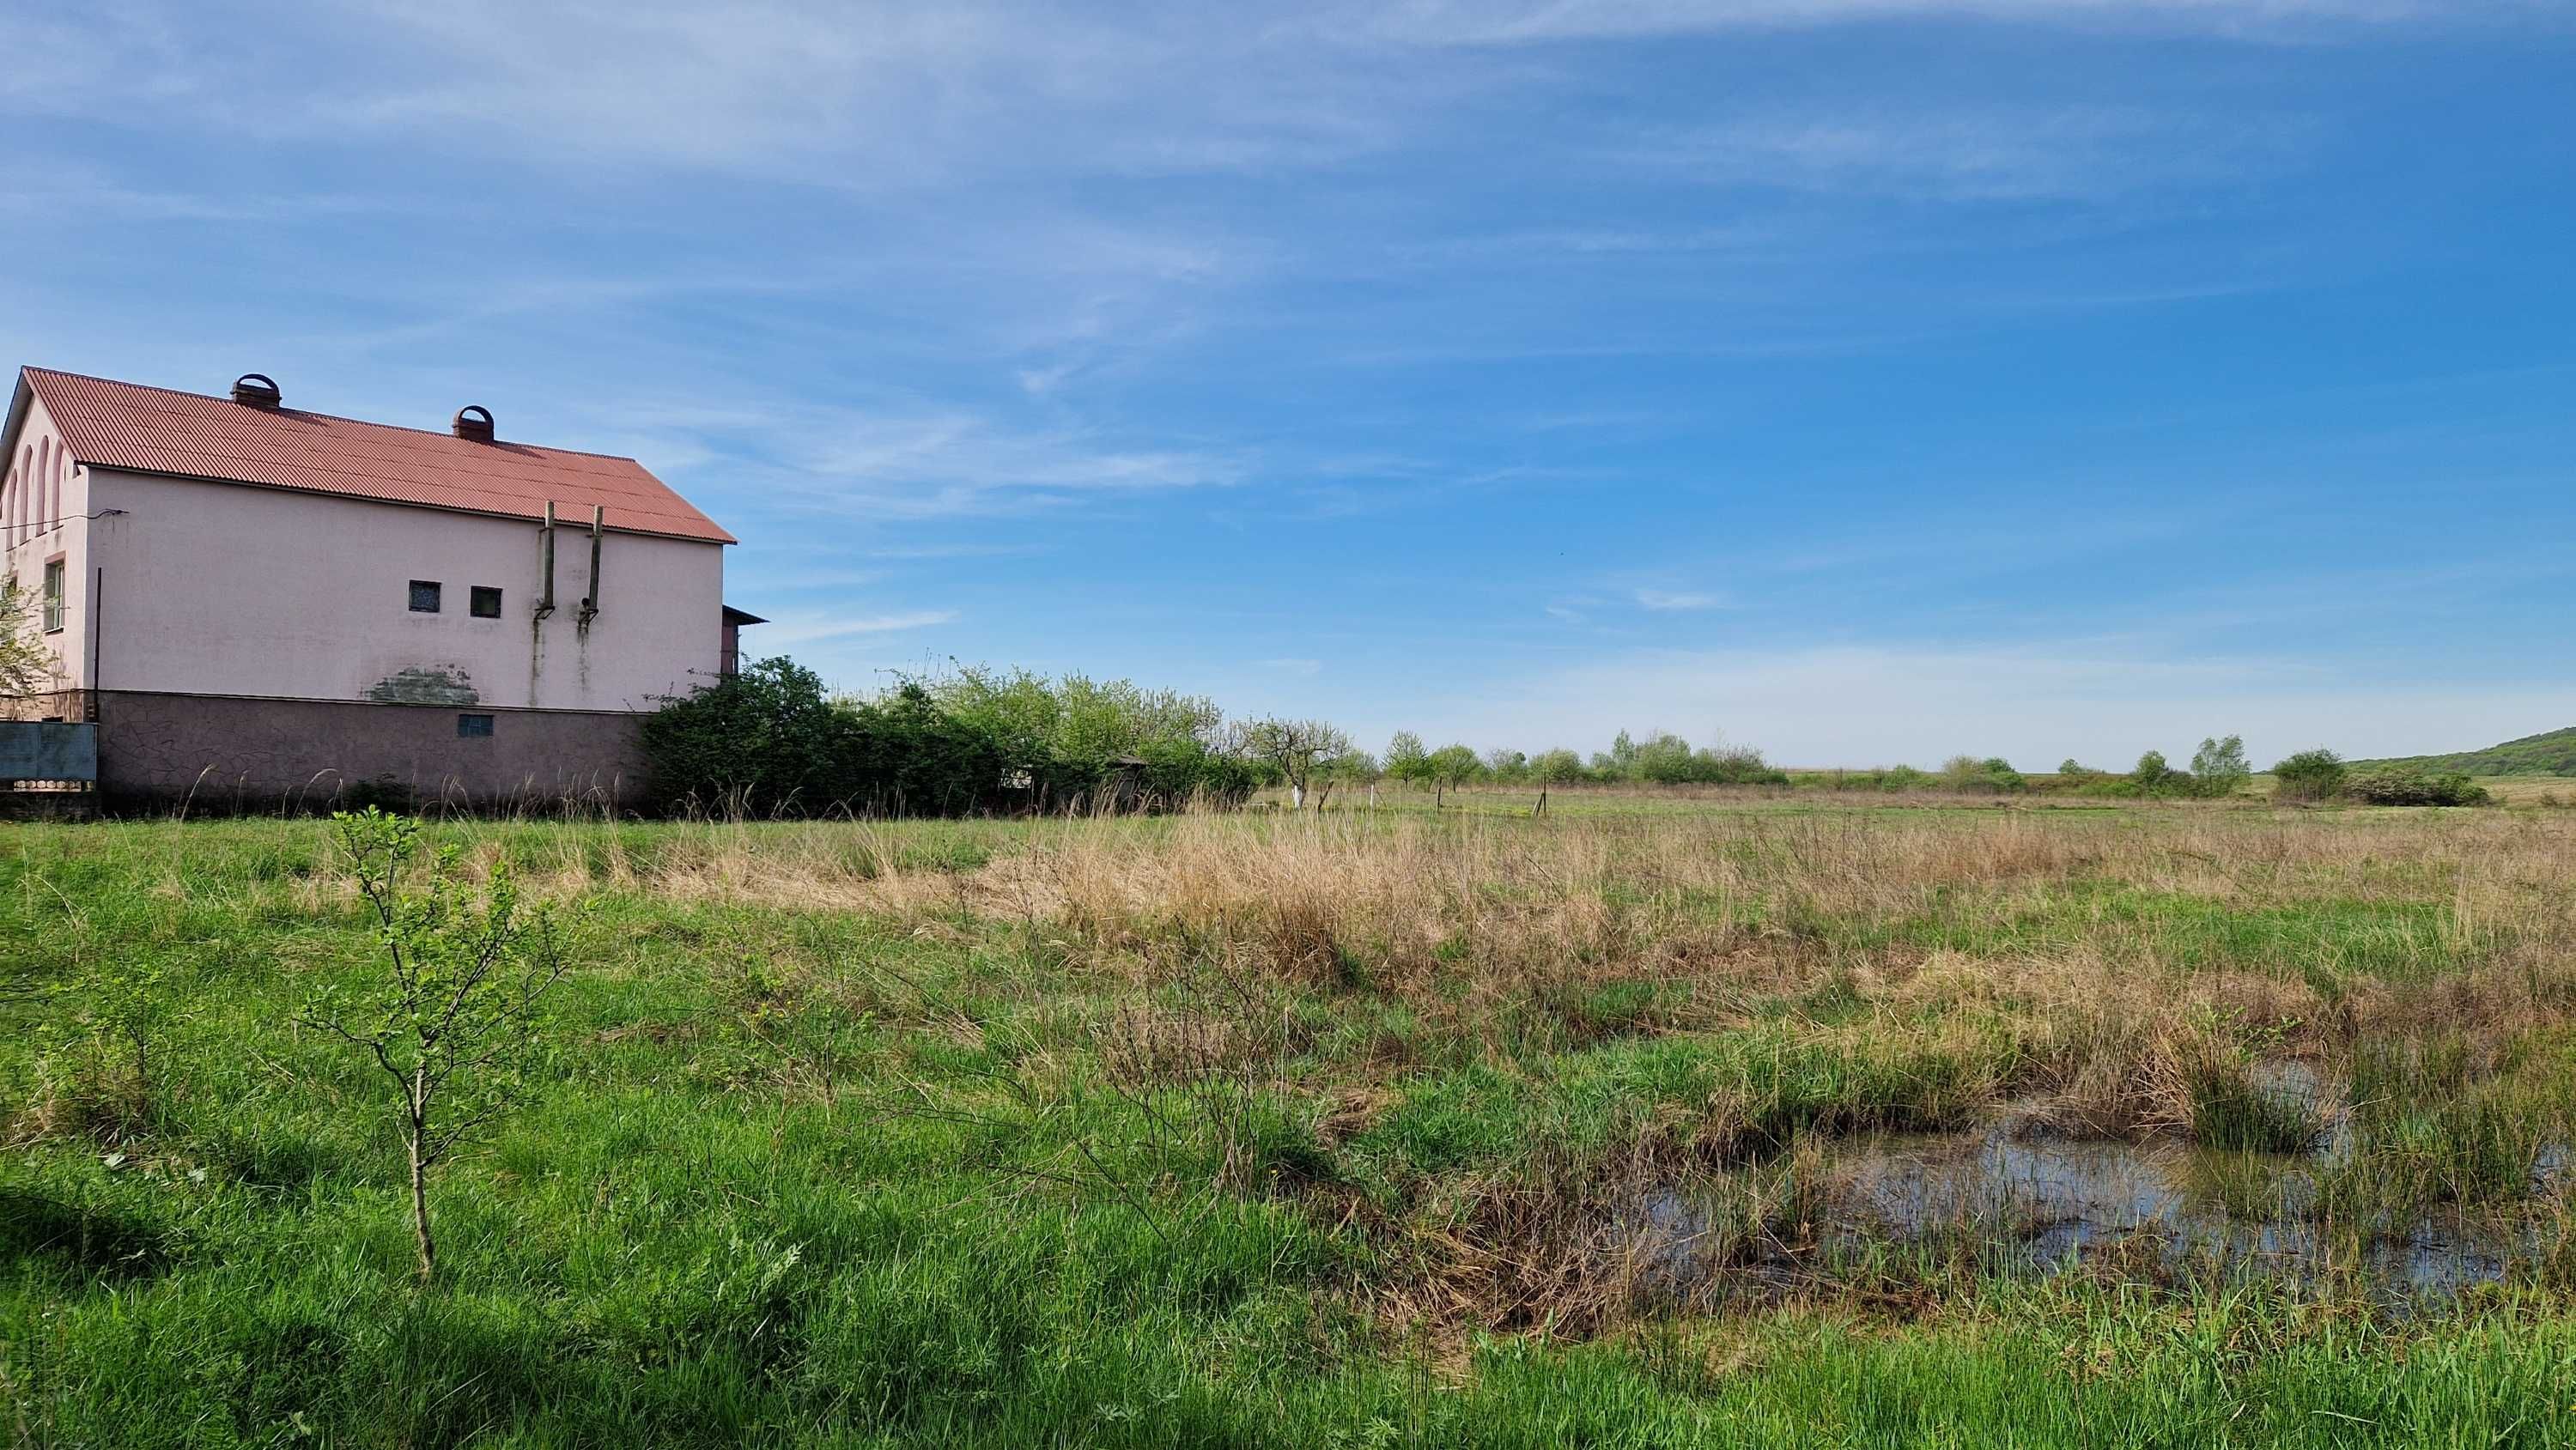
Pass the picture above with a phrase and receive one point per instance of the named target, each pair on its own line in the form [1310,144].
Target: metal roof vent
[473,421]
[257,390]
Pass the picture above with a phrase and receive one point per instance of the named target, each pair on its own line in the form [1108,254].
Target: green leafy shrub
[1993,775]
[1735,765]
[766,739]
[772,741]
[2154,777]
[2310,775]
[1558,767]
[2219,768]
[2401,785]
[1064,739]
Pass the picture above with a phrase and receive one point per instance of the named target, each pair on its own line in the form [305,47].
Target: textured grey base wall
[230,753]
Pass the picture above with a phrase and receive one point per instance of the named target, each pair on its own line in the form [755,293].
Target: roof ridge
[309,413]
[142,427]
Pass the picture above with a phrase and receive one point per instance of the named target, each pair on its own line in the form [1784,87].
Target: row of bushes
[2405,785]
[2321,775]
[1663,758]
[772,741]
[2219,770]
[1965,774]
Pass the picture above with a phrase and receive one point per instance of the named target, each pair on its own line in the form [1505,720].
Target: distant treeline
[1661,758]
[773,741]
[2218,770]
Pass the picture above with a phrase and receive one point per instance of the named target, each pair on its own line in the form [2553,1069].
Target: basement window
[484,602]
[471,727]
[424,596]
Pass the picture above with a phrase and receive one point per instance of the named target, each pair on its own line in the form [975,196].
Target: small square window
[484,602]
[472,726]
[424,596]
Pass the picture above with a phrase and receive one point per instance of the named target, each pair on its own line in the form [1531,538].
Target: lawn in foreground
[1236,1130]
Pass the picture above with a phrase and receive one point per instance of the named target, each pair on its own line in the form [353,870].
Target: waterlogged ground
[2023,1196]
[1694,1120]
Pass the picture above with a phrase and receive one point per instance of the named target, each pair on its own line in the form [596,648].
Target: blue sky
[1866,380]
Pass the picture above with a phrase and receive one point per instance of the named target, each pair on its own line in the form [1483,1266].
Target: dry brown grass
[1480,922]
[1405,898]
[2101,1021]
[1469,917]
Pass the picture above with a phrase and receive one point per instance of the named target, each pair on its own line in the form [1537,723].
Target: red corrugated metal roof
[155,430]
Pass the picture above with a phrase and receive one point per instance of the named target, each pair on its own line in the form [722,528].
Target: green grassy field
[1398,1128]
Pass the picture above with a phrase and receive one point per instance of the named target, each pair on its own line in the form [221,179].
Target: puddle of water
[2054,1199]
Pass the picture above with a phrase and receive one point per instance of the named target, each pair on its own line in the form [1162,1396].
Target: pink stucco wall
[41,495]
[218,588]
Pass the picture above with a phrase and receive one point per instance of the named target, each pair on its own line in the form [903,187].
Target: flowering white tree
[1294,747]
[26,665]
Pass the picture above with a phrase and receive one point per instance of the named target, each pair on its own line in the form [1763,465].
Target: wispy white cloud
[958,551]
[901,459]
[1983,152]
[956,462]
[890,97]
[1609,243]
[1522,22]
[804,581]
[871,96]
[38,193]
[1038,382]
[1674,600]
[813,629]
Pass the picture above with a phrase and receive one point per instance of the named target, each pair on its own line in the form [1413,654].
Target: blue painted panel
[48,750]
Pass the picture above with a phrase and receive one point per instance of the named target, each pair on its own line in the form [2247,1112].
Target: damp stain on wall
[425,685]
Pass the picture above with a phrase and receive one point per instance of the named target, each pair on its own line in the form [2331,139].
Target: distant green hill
[2552,753]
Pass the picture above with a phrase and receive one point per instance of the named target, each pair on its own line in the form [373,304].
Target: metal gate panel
[48,750]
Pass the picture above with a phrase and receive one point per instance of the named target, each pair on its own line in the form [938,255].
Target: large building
[262,607]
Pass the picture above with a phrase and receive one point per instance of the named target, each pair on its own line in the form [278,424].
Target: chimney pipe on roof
[473,421]
[257,390]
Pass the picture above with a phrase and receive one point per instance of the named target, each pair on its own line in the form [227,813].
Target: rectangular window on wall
[424,596]
[473,726]
[484,602]
[53,595]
